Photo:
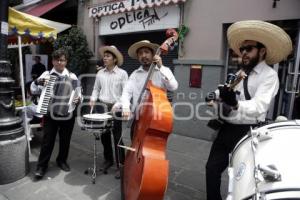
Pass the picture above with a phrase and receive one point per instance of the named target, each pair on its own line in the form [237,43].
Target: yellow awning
[28,25]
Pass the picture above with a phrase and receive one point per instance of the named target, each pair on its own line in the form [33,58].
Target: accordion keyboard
[46,96]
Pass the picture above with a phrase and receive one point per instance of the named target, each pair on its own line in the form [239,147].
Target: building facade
[202,59]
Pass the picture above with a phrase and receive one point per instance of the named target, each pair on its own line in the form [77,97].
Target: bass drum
[277,151]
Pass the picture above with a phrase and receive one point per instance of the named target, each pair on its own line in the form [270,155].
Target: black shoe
[106,165]
[63,166]
[118,175]
[39,173]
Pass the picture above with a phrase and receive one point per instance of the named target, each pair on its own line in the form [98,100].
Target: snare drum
[97,121]
[277,149]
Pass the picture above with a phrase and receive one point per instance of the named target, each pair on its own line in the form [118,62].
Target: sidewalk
[186,180]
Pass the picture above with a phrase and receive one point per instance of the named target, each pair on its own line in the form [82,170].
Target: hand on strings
[228,96]
[157,59]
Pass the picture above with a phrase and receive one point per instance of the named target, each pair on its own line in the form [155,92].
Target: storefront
[121,23]
[205,46]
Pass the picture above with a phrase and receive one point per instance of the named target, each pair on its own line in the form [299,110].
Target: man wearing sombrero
[108,87]
[259,44]
[144,51]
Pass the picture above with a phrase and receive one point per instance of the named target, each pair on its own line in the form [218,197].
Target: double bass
[146,170]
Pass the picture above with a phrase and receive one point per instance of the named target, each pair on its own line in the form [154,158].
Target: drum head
[276,148]
[97,117]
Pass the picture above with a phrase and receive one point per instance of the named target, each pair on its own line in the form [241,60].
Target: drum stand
[93,170]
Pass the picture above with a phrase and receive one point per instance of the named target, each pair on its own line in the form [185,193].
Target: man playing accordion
[58,115]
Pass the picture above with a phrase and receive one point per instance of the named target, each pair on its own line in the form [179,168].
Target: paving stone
[174,171]
[192,193]
[186,175]
[192,179]
[2,197]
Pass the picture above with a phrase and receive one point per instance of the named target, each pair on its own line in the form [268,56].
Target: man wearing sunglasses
[259,45]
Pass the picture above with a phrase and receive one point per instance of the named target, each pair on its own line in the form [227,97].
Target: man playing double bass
[259,44]
[144,52]
[148,133]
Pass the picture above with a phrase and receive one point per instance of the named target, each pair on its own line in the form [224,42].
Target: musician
[144,51]
[259,44]
[53,124]
[108,88]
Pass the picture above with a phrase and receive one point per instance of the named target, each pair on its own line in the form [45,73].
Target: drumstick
[91,111]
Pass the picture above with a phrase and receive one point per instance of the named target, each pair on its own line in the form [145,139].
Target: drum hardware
[264,137]
[260,196]
[260,136]
[261,173]
[93,170]
[230,184]
[96,124]
[269,173]
[261,167]
[257,176]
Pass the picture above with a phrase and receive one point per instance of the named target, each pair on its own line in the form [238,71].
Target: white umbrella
[30,29]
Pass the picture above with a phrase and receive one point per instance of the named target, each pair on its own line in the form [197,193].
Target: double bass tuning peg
[170,33]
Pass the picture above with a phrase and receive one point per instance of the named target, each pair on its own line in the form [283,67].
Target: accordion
[58,95]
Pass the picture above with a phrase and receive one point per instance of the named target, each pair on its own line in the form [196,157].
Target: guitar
[214,101]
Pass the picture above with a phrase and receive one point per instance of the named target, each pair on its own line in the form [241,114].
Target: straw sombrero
[114,51]
[277,42]
[132,51]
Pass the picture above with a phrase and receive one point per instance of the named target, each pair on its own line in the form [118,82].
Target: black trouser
[228,136]
[117,133]
[51,127]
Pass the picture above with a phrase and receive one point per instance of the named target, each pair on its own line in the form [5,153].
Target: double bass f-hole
[138,152]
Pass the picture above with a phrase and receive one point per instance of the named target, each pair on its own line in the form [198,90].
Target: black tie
[245,84]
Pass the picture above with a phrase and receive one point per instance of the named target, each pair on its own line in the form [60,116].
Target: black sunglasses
[248,48]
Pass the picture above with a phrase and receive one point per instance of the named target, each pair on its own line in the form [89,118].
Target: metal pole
[27,132]
[295,77]
[13,144]
[4,29]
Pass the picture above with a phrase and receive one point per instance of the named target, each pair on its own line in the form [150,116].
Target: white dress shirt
[109,85]
[263,84]
[162,77]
